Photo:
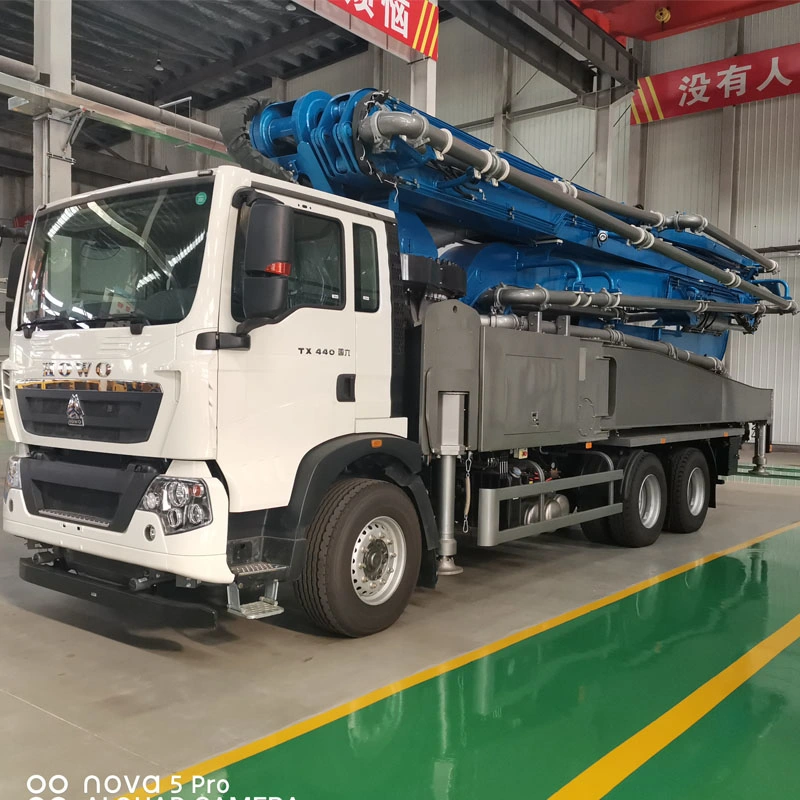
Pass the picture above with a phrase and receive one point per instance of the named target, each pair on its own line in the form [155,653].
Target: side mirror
[14,270]
[268,254]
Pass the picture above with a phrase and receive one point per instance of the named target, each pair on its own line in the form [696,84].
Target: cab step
[265,606]
[258,568]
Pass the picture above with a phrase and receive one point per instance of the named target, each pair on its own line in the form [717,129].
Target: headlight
[13,480]
[181,504]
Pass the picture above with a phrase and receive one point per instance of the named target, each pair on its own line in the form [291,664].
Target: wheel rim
[649,501]
[379,560]
[696,491]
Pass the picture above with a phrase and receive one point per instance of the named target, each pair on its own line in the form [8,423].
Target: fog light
[195,515]
[13,479]
[151,501]
[149,533]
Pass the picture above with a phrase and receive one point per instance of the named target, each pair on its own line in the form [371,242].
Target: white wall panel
[768,212]
[533,88]
[683,164]
[466,86]
[559,142]
[620,139]
[771,359]
[772,29]
[687,49]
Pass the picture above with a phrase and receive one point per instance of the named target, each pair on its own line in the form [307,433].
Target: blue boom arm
[498,233]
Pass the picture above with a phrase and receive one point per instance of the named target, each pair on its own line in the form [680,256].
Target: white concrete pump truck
[379,339]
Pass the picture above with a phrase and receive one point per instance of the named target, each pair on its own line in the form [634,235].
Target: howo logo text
[80,369]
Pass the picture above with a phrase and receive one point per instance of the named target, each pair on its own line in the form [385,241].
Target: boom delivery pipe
[678,222]
[383,125]
[539,297]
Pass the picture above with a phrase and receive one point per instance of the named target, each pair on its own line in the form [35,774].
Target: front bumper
[198,554]
[165,610]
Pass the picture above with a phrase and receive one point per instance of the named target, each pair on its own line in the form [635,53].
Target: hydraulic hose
[235,130]
[609,335]
[381,126]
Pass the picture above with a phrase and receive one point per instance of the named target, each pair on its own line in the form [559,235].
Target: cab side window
[365,247]
[317,275]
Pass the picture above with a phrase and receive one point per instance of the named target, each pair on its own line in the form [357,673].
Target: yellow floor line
[599,779]
[338,712]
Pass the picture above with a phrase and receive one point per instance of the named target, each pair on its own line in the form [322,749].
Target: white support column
[52,55]
[377,55]
[279,90]
[423,85]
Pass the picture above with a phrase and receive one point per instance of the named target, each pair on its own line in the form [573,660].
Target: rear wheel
[364,552]
[644,493]
[689,484]
[597,531]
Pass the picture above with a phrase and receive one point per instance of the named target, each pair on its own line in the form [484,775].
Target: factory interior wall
[683,167]
[686,165]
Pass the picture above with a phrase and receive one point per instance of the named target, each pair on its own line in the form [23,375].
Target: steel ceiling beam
[33,99]
[18,149]
[163,27]
[564,20]
[268,48]
[511,32]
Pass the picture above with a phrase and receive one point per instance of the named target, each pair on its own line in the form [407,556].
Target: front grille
[64,501]
[122,417]
[97,496]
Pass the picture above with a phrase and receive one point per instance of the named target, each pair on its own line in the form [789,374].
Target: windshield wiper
[28,328]
[137,321]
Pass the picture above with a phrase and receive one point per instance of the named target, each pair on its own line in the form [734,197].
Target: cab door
[374,330]
[295,386]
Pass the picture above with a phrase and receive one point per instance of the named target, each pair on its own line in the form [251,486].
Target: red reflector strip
[279,268]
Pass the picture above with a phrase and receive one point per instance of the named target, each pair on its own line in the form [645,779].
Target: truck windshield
[128,257]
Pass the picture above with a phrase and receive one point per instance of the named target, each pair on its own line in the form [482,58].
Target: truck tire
[644,502]
[363,558]
[689,489]
[597,531]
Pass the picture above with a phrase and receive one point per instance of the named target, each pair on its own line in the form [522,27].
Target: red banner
[412,22]
[730,82]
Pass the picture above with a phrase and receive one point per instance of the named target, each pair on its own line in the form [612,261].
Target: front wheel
[363,559]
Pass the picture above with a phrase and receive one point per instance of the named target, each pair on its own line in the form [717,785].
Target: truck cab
[175,358]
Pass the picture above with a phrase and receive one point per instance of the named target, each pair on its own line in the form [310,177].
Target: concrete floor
[84,691]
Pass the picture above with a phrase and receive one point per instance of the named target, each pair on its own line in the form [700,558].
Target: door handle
[346,388]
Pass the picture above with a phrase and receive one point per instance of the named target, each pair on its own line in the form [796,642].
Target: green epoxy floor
[523,722]
[745,748]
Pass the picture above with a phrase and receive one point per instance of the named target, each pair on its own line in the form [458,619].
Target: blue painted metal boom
[498,233]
